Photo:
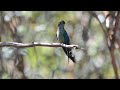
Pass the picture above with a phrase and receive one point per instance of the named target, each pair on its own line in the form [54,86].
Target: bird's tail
[68,52]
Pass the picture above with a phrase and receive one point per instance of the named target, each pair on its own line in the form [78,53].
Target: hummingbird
[63,37]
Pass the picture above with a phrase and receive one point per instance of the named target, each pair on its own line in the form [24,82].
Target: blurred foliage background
[50,62]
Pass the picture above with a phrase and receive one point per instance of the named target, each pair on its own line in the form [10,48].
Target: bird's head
[61,23]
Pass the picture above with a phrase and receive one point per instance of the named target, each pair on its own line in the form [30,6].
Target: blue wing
[67,41]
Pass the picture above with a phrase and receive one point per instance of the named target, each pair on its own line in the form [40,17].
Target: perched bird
[63,37]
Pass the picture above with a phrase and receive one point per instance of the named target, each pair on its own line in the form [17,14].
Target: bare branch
[32,44]
[114,64]
[94,14]
[113,48]
[112,42]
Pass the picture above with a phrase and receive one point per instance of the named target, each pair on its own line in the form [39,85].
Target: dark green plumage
[63,37]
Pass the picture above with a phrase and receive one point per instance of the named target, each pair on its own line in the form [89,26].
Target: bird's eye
[63,22]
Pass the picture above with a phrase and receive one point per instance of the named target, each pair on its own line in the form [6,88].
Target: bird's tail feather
[68,52]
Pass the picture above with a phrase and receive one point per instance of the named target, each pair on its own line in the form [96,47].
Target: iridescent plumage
[63,37]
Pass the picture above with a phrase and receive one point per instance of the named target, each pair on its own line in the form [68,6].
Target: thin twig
[94,14]
[112,48]
[112,42]
[114,64]
[24,45]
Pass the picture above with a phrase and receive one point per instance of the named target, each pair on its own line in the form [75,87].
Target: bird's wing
[66,37]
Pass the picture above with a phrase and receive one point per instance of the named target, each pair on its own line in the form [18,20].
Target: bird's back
[68,51]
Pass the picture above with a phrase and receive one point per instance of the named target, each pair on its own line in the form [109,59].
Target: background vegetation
[51,62]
